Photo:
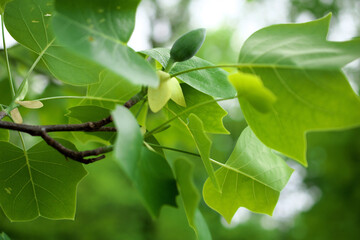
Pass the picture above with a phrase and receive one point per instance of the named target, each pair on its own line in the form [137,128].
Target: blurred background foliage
[320,202]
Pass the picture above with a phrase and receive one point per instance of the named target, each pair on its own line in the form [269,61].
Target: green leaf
[38,182]
[29,23]
[110,86]
[252,178]
[101,34]
[4,135]
[203,144]
[3,236]
[250,88]
[190,197]
[302,69]
[210,81]
[3,4]
[211,114]
[149,172]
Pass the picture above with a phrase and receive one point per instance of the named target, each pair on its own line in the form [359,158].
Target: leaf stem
[80,97]
[151,132]
[7,56]
[173,149]
[211,67]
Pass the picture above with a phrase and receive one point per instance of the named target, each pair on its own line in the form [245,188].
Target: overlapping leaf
[252,178]
[38,182]
[204,107]
[149,172]
[302,69]
[101,34]
[210,81]
[110,87]
[190,197]
[29,23]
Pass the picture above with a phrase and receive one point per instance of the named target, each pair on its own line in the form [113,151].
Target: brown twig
[79,156]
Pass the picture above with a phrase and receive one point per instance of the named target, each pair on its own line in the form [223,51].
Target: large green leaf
[4,135]
[190,197]
[149,172]
[302,69]
[29,23]
[210,81]
[38,182]
[3,4]
[211,114]
[252,178]
[101,33]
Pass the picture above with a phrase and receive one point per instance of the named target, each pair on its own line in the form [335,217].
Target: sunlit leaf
[29,23]
[250,88]
[252,178]
[101,34]
[31,104]
[38,182]
[302,69]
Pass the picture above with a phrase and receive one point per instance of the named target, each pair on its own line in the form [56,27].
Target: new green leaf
[38,182]
[29,23]
[149,172]
[302,69]
[100,34]
[252,178]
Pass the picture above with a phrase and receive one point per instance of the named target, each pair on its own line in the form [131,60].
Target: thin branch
[79,156]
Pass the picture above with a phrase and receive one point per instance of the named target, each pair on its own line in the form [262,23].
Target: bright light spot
[9,40]
[242,215]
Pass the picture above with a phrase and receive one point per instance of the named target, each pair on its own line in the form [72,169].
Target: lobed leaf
[38,182]
[101,34]
[252,178]
[302,69]
[28,22]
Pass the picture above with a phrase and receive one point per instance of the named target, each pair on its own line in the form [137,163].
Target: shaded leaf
[210,81]
[252,178]
[3,236]
[190,198]
[38,182]
[302,69]
[101,35]
[149,172]
[110,86]
[28,22]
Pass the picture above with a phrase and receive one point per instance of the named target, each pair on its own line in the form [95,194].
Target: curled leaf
[16,116]
[31,104]
[251,88]
[176,92]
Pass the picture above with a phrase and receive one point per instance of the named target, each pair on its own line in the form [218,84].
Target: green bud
[187,45]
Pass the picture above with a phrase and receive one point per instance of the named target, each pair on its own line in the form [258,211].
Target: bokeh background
[320,202]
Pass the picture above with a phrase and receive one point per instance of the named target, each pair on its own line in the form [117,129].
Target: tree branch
[79,156]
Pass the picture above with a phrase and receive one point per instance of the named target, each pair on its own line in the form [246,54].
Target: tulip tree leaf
[203,144]
[101,35]
[210,81]
[190,197]
[110,87]
[3,4]
[252,178]
[38,182]
[28,22]
[149,172]
[4,135]
[302,69]
[211,114]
